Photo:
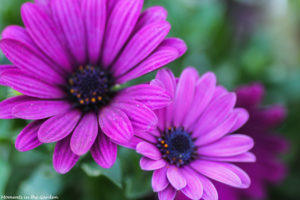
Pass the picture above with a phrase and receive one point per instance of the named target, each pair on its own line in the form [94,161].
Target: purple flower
[192,144]
[268,145]
[68,62]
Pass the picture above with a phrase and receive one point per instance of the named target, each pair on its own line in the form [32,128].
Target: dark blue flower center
[90,87]
[177,146]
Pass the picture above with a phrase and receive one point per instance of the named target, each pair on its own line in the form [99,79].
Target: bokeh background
[242,41]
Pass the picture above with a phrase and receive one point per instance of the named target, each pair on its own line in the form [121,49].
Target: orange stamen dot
[99,98]
[94,93]
[72,91]
[167,152]
[162,141]
[93,100]
[81,102]
[78,95]
[166,145]
[87,99]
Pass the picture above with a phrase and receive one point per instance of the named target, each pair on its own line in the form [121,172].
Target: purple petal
[31,86]
[184,95]
[40,109]
[242,118]
[142,118]
[215,113]
[227,146]
[45,34]
[176,178]
[204,91]
[159,180]
[219,131]
[140,46]
[146,136]
[59,126]
[245,157]
[223,172]
[115,124]
[209,190]
[194,188]
[7,105]
[104,151]
[94,15]
[167,52]
[4,68]
[119,26]
[84,134]
[28,138]
[67,16]
[111,4]
[31,61]
[167,77]
[150,15]
[148,150]
[152,96]
[149,165]
[167,194]
[63,158]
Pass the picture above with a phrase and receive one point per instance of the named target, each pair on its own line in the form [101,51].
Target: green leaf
[44,181]
[114,173]
[138,186]
[5,172]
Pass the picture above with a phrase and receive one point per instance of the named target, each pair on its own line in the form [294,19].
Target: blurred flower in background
[269,146]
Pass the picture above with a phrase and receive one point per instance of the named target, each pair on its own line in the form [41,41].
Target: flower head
[192,143]
[68,62]
[268,145]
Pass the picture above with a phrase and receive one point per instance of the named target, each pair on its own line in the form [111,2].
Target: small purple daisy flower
[268,145]
[68,62]
[192,143]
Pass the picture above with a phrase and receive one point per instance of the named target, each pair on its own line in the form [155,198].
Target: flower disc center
[177,147]
[90,87]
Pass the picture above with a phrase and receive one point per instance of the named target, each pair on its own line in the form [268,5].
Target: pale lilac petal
[167,77]
[222,172]
[231,145]
[31,61]
[150,165]
[243,176]
[243,117]
[104,151]
[67,16]
[63,158]
[194,187]
[28,138]
[219,131]
[59,126]
[94,15]
[142,118]
[215,113]
[159,180]
[245,157]
[150,15]
[115,124]
[209,190]
[168,51]
[167,194]
[7,105]
[140,46]
[40,109]
[31,86]
[176,178]
[204,91]
[45,34]
[84,134]
[148,150]
[184,95]
[119,26]
[152,96]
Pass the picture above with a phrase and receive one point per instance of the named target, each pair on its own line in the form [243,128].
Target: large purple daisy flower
[68,62]
[268,145]
[191,144]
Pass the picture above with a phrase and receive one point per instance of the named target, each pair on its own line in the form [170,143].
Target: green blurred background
[240,40]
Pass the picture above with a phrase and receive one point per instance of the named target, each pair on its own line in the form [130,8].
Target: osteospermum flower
[68,62]
[192,143]
[268,145]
